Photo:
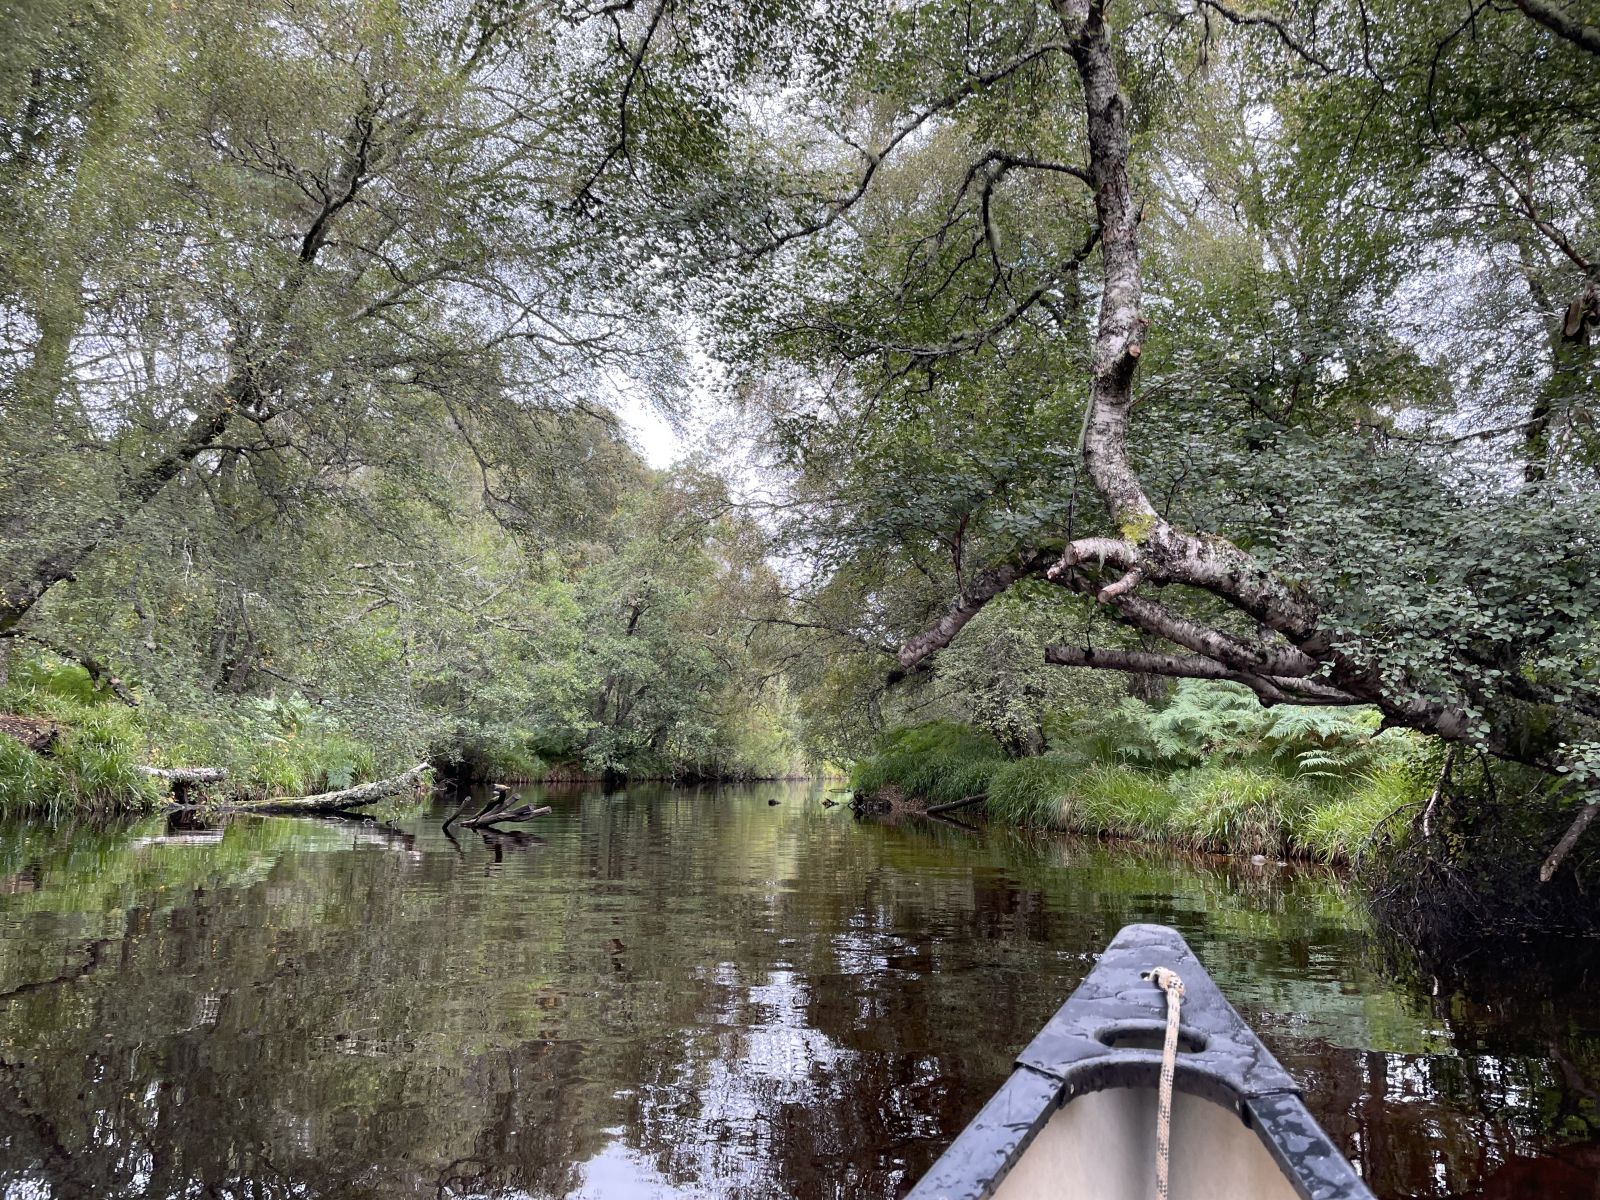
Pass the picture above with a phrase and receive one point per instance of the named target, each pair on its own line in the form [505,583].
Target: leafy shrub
[277,746]
[941,737]
[1204,719]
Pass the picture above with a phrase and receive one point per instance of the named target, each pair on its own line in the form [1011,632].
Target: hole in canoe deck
[1149,1035]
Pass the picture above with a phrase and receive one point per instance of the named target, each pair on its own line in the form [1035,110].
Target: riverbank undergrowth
[1212,770]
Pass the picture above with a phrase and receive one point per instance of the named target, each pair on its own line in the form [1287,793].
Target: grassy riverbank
[1212,770]
[97,747]
[69,744]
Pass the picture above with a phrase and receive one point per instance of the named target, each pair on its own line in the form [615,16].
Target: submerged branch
[955,804]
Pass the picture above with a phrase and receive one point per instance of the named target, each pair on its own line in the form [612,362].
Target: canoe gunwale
[1222,1061]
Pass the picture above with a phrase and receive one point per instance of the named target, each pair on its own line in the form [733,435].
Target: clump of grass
[1033,791]
[939,762]
[1239,810]
[100,756]
[94,764]
[1342,828]
[28,781]
[1123,801]
[518,764]
[1103,799]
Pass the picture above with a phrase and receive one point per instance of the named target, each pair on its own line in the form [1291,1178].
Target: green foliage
[1221,723]
[429,536]
[638,650]
[1239,810]
[1213,770]
[1120,733]
[94,764]
[996,678]
[938,761]
[1426,481]
[1206,719]
[495,752]
[378,480]
[270,746]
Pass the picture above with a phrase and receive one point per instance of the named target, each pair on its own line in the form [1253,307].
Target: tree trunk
[1293,658]
[184,778]
[347,798]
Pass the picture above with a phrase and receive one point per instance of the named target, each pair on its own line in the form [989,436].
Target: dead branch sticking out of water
[500,811]
[955,804]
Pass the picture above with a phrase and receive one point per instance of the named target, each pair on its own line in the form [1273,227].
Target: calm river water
[687,993]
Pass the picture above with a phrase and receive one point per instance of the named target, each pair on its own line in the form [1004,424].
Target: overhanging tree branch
[1157,620]
[1271,690]
[840,205]
[257,365]
[1559,22]
[969,604]
[1233,17]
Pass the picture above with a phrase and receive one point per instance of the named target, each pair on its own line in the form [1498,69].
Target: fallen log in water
[955,804]
[346,798]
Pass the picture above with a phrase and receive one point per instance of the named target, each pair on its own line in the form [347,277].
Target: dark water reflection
[685,994]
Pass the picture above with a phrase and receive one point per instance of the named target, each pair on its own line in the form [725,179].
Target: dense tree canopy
[1250,343]
[1266,332]
[311,339]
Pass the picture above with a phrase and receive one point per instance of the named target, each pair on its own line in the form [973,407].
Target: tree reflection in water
[687,993]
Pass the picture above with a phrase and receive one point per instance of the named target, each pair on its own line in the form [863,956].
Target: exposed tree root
[35,733]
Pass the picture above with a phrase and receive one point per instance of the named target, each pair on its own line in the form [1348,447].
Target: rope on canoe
[1167,980]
